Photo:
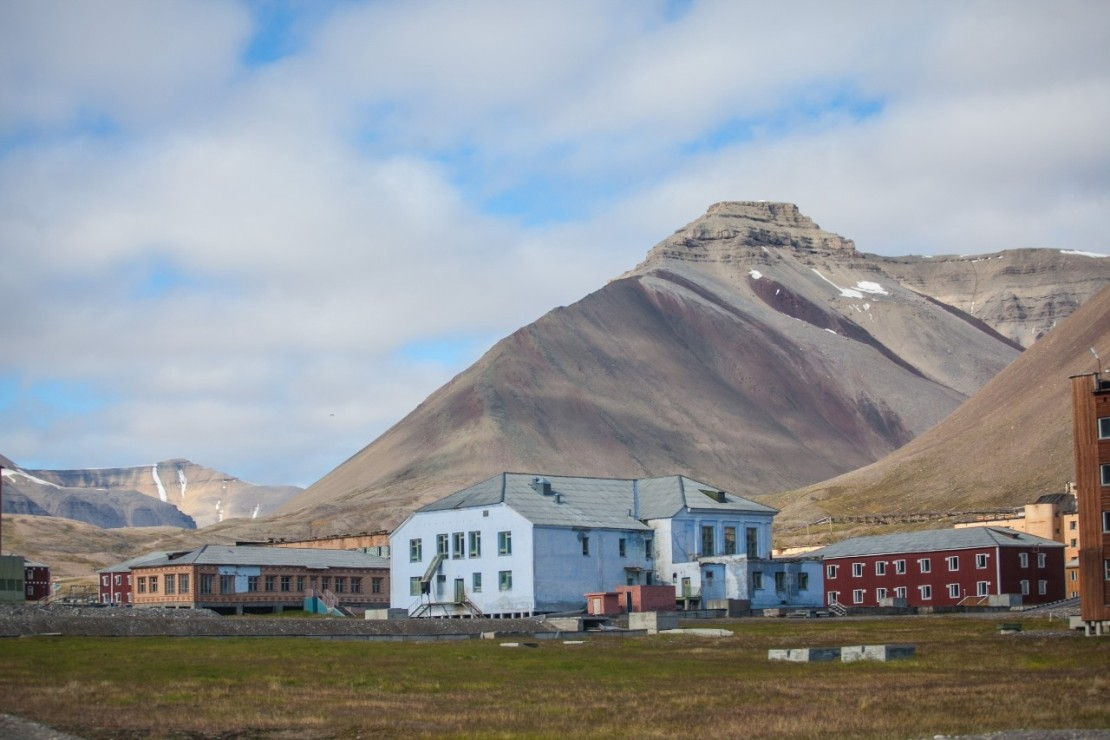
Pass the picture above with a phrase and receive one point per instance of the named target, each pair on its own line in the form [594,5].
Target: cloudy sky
[257,234]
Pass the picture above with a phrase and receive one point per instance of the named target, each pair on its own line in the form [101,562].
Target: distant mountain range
[751,349]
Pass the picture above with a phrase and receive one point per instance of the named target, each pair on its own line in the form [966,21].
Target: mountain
[1005,446]
[171,493]
[751,349]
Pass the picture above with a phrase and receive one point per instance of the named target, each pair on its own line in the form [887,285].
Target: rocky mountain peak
[731,228]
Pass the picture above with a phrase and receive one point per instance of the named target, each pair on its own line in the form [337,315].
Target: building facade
[980,566]
[11,579]
[261,579]
[36,580]
[114,583]
[1091,430]
[520,544]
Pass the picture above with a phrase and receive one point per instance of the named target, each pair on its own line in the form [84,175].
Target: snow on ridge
[254,514]
[868,287]
[33,479]
[158,483]
[844,292]
[181,481]
[1083,254]
[756,274]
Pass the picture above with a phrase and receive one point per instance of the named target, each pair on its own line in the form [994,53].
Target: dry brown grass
[965,679]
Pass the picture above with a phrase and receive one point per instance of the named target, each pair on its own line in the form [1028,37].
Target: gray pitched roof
[127,565]
[933,540]
[593,502]
[303,557]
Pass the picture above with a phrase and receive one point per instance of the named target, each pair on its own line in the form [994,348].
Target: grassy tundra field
[965,679]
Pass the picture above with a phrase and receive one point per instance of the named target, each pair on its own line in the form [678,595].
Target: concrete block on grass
[881,653]
[805,655]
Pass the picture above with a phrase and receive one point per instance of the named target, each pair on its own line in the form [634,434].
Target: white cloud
[213,257]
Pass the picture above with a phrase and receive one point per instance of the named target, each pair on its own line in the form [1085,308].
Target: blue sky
[256,234]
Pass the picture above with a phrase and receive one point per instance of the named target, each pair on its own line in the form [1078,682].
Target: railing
[837,609]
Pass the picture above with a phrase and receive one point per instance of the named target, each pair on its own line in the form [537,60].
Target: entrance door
[460,590]
[687,592]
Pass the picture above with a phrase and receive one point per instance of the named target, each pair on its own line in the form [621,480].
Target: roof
[613,503]
[301,557]
[127,565]
[933,540]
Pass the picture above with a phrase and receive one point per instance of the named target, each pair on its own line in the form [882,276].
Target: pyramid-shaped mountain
[751,349]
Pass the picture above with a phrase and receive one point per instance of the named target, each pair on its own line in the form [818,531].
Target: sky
[257,234]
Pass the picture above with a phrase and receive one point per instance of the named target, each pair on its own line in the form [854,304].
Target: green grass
[965,679]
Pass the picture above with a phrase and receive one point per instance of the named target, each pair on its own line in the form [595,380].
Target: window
[183,583]
[415,551]
[505,580]
[287,583]
[1023,559]
[1025,588]
[104,580]
[1042,587]
[751,541]
[926,592]
[341,584]
[621,547]
[707,541]
[899,592]
[757,580]
[1073,542]
[441,544]
[504,543]
[730,540]
[458,545]
[271,582]
[171,582]
[1073,524]
[154,584]
[300,584]
[1104,473]
[325,583]
[1104,427]
[206,583]
[834,597]
[142,584]
[585,545]
[880,567]
[925,565]
[441,585]
[1106,570]
[899,566]
[857,569]
[983,588]
[803,581]
[780,582]
[953,562]
[880,594]
[830,571]
[119,580]
[414,586]
[648,542]
[252,583]
[953,590]
[857,596]
[981,560]
[375,585]
[1073,575]
[1042,559]
[1106,521]
[475,544]
[476,583]
[356,584]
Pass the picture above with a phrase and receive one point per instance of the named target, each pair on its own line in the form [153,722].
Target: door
[460,590]
[687,592]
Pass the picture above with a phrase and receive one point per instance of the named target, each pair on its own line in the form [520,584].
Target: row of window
[458,543]
[780,581]
[179,584]
[709,541]
[982,588]
[925,565]
[504,583]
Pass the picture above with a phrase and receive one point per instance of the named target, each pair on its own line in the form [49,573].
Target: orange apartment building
[1091,429]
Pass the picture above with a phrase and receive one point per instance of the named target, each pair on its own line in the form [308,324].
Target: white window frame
[475,543]
[953,590]
[858,595]
[880,593]
[857,570]
[925,565]
[926,592]
[1104,427]
[899,567]
[899,592]
[953,563]
[1042,587]
[1025,588]
[880,567]
[982,588]
[505,542]
[416,550]
[981,560]
[1042,560]
[834,596]
[1023,559]
[830,571]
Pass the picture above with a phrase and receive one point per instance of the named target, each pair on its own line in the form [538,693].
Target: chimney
[541,486]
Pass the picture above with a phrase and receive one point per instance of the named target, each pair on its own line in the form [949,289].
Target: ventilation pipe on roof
[541,486]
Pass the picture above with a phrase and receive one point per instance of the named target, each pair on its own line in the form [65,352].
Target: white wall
[564,575]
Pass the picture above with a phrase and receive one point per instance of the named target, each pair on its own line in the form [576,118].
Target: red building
[1091,428]
[941,568]
[114,582]
[36,580]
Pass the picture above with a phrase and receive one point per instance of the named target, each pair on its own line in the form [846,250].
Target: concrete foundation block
[386,614]
[805,655]
[653,622]
[881,653]
[566,624]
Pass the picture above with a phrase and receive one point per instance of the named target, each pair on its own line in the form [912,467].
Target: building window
[375,585]
[981,560]
[757,580]
[899,566]
[621,545]
[803,581]
[1042,559]
[1025,588]
[1073,542]
[1042,587]
[880,594]
[252,584]
[154,584]
[206,583]
[475,544]
[880,567]
[1104,472]
[1104,427]
[1073,575]
[300,584]
[476,583]
[926,592]
[857,570]
[953,590]
[953,562]
[441,544]
[104,581]
[1106,570]
[119,580]
[356,584]
[925,565]
[170,583]
[183,583]
[834,597]
[751,541]
[142,584]
[707,541]
[585,545]
[287,583]
[1072,525]
[441,585]
[341,584]
[780,582]
[730,540]
[325,583]
[414,586]
[416,548]
[857,596]
[1023,559]
[271,582]
[458,545]
[830,571]
[899,592]
[505,580]
[983,588]
[504,543]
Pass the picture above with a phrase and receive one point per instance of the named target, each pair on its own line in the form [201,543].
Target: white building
[520,544]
